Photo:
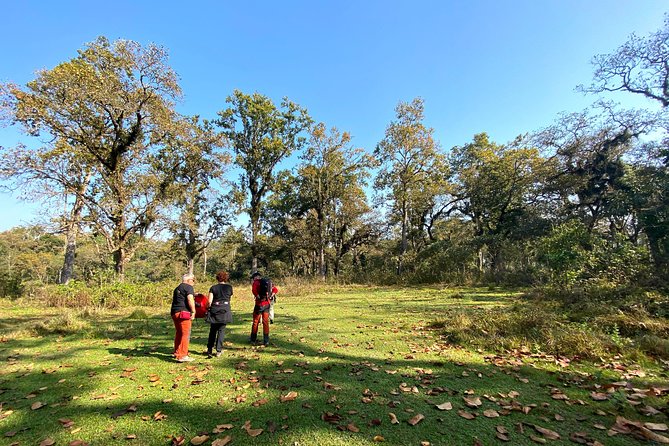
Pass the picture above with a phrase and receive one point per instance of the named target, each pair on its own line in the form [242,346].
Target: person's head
[222,276]
[255,276]
[188,278]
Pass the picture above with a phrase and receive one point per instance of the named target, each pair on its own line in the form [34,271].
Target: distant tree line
[133,190]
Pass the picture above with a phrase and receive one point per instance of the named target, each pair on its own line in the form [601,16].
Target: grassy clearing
[352,356]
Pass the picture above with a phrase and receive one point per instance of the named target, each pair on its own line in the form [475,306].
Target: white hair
[187,276]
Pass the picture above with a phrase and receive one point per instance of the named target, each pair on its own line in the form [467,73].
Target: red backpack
[201,305]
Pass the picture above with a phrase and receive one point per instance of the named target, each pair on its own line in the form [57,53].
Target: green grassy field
[355,366]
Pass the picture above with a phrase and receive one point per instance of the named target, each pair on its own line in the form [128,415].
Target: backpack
[265,288]
[201,305]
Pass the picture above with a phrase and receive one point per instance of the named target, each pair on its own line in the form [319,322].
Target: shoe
[185,359]
[218,354]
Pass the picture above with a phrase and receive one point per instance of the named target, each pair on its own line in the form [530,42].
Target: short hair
[256,274]
[222,276]
[187,276]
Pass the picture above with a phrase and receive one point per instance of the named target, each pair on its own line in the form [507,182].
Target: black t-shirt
[180,298]
[220,304]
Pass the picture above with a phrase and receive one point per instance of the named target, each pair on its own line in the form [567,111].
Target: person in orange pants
[183,313]
[262,290]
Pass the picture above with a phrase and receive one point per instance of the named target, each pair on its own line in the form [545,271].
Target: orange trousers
[182,335]
[256,322]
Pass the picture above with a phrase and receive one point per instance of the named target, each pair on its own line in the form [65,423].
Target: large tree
[332,172]
[202,210]
[261,135]
[111,107]
[498,188]
[413,171]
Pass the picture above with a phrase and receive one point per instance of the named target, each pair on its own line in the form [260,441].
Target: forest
[133,192]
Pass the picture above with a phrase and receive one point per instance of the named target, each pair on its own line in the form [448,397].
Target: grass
[353,355]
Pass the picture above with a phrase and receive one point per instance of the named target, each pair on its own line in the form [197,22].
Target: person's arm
[191,305]
[211,298]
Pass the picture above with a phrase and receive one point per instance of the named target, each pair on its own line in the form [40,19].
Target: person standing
[220,313]
[183,313]
[262,290]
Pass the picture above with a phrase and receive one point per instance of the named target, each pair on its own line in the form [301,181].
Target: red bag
[184,315]
[201,305]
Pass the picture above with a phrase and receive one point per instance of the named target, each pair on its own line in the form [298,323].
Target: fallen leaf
[254,432]
[78,443]
[473,401]
[222,441]
[466,415]
[379,438]
[37,405]
[501,436]
[48,442]
[501,429]
[656,426]
[199,439]
[417,419]
[551,435]
[490,413]
[598,396]
[221,428]
[352,427]
[393,418]
[445,406]
[537,439]
[290,396]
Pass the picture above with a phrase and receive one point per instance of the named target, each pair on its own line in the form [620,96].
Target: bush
[536,328]
[113,295]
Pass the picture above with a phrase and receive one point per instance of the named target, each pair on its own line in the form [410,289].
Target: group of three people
[219,312]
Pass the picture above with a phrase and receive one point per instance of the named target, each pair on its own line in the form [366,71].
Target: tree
[331,171]
[413,171]
[499,188]
[261,136]
[54,175]
[112,107]
[590,150]
[196,167]
[639,66]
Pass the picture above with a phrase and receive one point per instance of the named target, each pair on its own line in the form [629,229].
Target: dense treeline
[137,192]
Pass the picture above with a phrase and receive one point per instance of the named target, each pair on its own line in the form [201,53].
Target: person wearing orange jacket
[263,291]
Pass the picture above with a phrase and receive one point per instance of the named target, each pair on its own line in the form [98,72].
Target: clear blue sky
[503,67]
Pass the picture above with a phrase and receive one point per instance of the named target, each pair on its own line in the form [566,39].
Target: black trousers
[216,336]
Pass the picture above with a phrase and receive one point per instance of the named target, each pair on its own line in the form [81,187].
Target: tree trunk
[72,232]
[404,245]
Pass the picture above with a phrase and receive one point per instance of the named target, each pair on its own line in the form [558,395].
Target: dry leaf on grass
[222,441]
[472,401]
[290,396]
[445,406]
[393,418]
[490,413]
[47,442]
[551,435]
[221,428]
[200,439]
[466,415]
[417,419]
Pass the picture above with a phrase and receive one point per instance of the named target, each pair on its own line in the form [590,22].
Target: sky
[505,67]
